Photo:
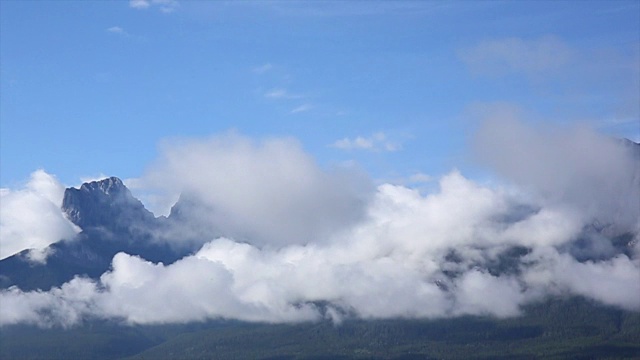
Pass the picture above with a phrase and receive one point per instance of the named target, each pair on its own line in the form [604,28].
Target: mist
[597,176]
[267,192]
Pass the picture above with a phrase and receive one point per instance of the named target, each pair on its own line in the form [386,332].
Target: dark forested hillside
[573,328]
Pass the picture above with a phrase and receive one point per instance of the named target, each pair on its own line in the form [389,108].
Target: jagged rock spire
[105,203]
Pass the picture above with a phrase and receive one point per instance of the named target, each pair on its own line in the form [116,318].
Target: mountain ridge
[107,203]
[112,220]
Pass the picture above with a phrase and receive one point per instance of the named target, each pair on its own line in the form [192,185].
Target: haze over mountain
[262,233]
[112,221]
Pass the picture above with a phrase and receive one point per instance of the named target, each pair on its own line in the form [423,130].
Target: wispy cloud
[165,6]
[569,75]
[261,69]
[376,142]
[280,93]
[302,108]
[274,92]
[354,8]
[515,55]
[117,30]
[139,4]
[420,178]
[121,33]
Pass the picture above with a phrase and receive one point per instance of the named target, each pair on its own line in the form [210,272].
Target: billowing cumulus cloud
[598,177]
[32,218]
[300,243]
[269,192]
[614,282]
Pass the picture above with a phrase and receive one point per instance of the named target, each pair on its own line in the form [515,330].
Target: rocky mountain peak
[106,186]
[106,203]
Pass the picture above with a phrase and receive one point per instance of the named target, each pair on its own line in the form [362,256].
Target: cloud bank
[269,192]
[293,250]
[598,177]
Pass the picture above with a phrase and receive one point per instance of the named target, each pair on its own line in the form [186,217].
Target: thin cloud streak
[513,55]
[118,31]
[165,6]
[280,93]
[302,108]
[377,142]
[262,68]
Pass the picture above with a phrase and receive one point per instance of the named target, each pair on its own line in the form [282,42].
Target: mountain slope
[556,329]
[112,221]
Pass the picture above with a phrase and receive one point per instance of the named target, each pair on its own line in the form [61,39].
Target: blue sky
[93,87]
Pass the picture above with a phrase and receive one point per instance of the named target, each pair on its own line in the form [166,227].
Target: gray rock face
[112,221]
[106,203]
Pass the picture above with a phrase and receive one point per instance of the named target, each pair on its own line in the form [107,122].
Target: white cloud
[500,297]
[614,282]
[117,30]
[268,192]
[283,94]
[280,93]
[139,4]
[165,6]
[598,177]
[32,217]
[514,55]
[276,93]
[295,236]
[389,265]
[376,142]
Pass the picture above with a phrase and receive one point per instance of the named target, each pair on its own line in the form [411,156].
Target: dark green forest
[554,329]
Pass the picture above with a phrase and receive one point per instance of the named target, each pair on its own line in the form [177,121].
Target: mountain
[106,203]
[112,221]
[632,146]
